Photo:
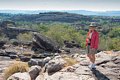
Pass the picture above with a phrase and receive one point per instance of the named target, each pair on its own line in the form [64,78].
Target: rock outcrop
[42,43]
[107,68]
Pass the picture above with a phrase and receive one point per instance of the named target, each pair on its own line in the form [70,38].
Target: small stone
[32,62]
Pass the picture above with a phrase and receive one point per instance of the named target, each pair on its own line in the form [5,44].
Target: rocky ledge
[61,68]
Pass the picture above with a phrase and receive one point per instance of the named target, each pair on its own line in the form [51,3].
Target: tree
[114,33]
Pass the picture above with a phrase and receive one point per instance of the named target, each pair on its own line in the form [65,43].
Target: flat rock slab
[105,74]
[83,70]
[69,76]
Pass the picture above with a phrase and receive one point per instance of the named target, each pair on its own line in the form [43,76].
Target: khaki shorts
[90,51]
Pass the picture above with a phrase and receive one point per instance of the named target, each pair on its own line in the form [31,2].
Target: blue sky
[91,5]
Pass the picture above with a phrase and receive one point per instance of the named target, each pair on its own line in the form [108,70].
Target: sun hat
[93,24]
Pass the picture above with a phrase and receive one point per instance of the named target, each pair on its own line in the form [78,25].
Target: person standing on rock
[92,41]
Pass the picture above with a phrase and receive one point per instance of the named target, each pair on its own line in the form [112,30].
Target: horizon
[55,10]
[57,5]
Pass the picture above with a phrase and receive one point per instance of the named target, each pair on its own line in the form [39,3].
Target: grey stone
[41,63]
[34,72]
[24,58]
[13,56]
[55,64]
[20,76]
[47,59]
[32,62]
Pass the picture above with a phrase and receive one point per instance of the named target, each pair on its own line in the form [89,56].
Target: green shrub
[25,37]
[103,43]
[114,44]
[59,33]
[114,33]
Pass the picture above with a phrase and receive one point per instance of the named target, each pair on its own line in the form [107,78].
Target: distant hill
[51,17]
[83,12]
[106,13]
[62,17]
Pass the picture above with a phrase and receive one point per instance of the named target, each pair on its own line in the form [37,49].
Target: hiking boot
[92,66]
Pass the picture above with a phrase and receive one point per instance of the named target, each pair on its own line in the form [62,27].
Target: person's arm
[87,39]
[96,41]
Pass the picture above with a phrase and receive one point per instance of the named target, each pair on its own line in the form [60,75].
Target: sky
[91,5]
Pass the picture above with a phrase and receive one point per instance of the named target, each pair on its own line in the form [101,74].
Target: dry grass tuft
[70,61]
[17,66]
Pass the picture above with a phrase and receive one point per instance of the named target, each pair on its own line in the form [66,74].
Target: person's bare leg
[92,58]
[88,55]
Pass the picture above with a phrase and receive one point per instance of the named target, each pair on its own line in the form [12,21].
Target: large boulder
[44,43]
[20,76]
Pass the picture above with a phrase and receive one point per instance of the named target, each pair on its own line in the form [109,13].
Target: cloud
[94,5]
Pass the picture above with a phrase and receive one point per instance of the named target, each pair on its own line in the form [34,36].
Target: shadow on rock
[99,75]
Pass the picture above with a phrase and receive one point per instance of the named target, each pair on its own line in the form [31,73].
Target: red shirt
[94,40]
